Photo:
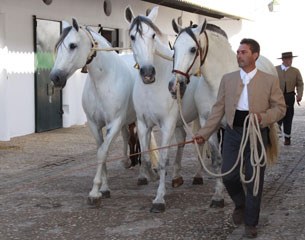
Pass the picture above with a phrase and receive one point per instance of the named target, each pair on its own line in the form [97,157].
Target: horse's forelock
[137,22]
[62,37]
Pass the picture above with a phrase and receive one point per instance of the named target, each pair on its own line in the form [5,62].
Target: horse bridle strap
[94,45]
[199,52]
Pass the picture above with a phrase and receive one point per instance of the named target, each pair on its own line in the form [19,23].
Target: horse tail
[273,148]
[154,155]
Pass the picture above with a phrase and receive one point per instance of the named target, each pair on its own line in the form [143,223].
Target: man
[241,92]
[290,80]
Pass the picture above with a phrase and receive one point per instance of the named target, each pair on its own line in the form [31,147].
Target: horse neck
[163,49]
[162,63]
[104,61]
[220,59]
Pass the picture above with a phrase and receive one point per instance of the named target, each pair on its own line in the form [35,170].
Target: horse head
[142,34]
[72,51]
[188,55]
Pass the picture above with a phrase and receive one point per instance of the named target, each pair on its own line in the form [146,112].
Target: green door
[48,100]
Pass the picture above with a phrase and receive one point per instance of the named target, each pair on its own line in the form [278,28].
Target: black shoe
[250,231]
[238,216]
[287,141]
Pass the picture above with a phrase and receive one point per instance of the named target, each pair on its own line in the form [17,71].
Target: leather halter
[92,53]
[202,53]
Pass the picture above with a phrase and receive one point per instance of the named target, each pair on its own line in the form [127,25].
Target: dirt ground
[45,179]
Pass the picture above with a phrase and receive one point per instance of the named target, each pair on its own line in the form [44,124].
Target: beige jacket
[292,78]
[265,97]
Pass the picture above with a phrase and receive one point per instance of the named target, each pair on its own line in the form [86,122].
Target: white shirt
[243,103]
[284,68]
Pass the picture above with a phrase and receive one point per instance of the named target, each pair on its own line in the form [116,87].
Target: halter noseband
[199,52]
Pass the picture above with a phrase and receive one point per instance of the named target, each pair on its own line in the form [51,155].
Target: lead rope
[258,160]
[252,133]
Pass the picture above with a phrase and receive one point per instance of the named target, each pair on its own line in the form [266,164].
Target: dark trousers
[232,182]
[287,120]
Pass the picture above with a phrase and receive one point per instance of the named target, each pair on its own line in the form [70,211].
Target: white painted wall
[17,105]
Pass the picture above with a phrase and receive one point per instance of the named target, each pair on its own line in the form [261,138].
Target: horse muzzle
[58,78]
[173,88]
[148,74]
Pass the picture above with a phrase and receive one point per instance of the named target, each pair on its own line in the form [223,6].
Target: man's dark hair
[254,46]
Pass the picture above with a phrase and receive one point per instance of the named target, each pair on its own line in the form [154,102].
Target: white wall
[17,105]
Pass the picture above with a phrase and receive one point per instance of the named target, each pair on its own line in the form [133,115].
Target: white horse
[107,96]
[153,102]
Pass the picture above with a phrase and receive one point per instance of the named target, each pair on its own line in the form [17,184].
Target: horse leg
[100,187]
[177,180]
[145,167]
[134,146]
[96,132]
[159,202]
[218,197]
[198,179]
[126,142]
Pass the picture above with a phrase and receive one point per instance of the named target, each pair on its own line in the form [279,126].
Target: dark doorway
[112,35]
[48,100]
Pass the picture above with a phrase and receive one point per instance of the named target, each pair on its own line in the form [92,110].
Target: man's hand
[299,99]
[259,117]
[199,139]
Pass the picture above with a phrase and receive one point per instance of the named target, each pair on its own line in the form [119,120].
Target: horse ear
[175,26]
[75,24]
[129,16]
[203,27]
[153,13]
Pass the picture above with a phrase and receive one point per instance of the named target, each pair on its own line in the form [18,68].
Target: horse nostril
[170,86]
[55,79]
[153,71]
[148,71]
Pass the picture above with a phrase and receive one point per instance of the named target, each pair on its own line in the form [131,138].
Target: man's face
[245,57]
[287,61]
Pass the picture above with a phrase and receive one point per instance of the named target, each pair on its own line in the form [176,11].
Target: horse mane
[138,23]
[68,29]
[216,29]
[210,27]
[62,37]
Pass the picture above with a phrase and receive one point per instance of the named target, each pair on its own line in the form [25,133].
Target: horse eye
[132,38]
[153,36]
[72,46]
[193,50]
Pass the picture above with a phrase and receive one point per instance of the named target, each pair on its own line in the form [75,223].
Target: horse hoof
[142,181]
[105,194]
[217,203]
[197,181]
[157,208]
[177,182]
[94,201]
